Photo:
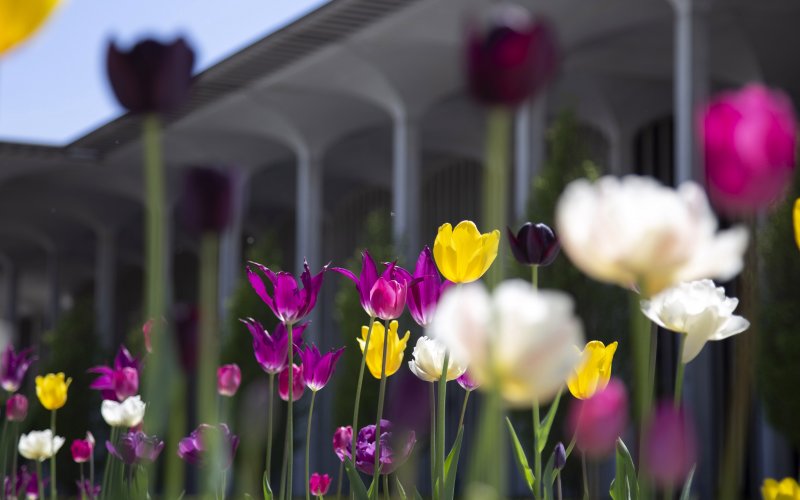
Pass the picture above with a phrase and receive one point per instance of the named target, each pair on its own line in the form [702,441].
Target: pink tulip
[298,383]
[388,298]
[598,421]
[228,379]
[16,408]
[82,450]
[749,141]
[319,484]
[669,447]
[342,439]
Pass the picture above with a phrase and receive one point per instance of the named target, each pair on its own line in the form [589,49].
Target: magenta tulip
[192,449]
[342,440]
[228,379]
[16,408]
[669,450]
[82,449]
[467,382]
[120,381]
[13,367]
[597,422]
[298,383]
[136,447]
[364,281]
[272,351]
[289,303]
[425,288]
[319,484]
[388,298]
[318,369]
[749,140]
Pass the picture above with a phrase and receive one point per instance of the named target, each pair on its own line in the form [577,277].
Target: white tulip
[39,445]
[428,361]
[633,231]
[520,337]
[698,309]
[129,413]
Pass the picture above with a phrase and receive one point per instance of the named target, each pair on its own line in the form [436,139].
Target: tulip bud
[534,244]
[208,199]
[561,456]
[467,382]
[298,383]
[16,408]
[319,484]
[388,298]
[81,450]
[228,379]
[597,422]
[342,439]
[669,446]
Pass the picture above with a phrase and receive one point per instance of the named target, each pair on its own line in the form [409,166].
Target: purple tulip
[318,369]
[289,303]
[342,439]
[467,382]
[388,298]
[425,288]
[228,379]
[14,366]
[16,408]
[26,484]
[192,449]
[560,455]
[87,489]
[669,446]
[365,449]
[152,77]
[597,422]
[82,449]
[749,142]
[119,382]
[511,57]
[208,200]
[319,484]
[364,282]
[298,383]
[136,447]
[534,244]
[272,351]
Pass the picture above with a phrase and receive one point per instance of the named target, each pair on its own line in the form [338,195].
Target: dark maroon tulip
[16,408]
[207,199]
[534,244]
[192,449]
[560,456]
[152,77]
[669,450]
[511,57]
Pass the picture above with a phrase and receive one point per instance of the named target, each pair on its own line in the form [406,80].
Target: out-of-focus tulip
[13,366]
[39,445]
[16,408]
[388,298]
[289,303]
[698,309]
[192,449]
[427,361]
[298,383]
[272,351]
[749,140]
[152,77]
[560,456]
[318,368]
[52,390]
[511,57]
[20,20]
[394,348]
[208,200]
[634,232]
[467,382]
[82,448]
[519,338]
[597,422]
[319,484]
[120,381]
[136,447]
[128,413]
[341,441]
[24,484]
[88,490]
[425,288]
[787,489]
[669,446]
[594,370]
[364,281]
[464,254]
[534,244]
[796,221]
[228,379]
[389,460]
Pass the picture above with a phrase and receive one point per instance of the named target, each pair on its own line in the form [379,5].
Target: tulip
[136,447]
[699,310]
[632,231]
[519,338]
[796,222]
[288,303]
[394,348]
[669,446]
[560,454]
[272,351]
[364,281]
[319,484]
[16,408]
[14,366]
[594,370]
[534,244]
[228,379]
[389,460]
[467,382]
[388,297]
[39,445]
[120,381]
[749,139]
[428,361]
[192,449]
[152,77]
[298,383]
[19,20]
[129,413]
[82,449]
[22,483]
[598,421]
[87,489]
[464,254]
[787,489]
[341,442]
[208,200]
[425,288]
[511,58]
[318,369]
[52,390]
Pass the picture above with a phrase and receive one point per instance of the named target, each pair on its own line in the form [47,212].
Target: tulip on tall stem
[361,381]
[381,395]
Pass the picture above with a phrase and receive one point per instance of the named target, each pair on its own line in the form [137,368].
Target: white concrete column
[231,264]
[105,274]
[54,290]
[530,130]
[308,212]
[406,187]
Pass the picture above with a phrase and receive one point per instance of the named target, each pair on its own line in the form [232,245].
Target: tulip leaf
[549,476]
[547,423]
[400,490]
[519,455]
[624,486]
[451,466]
[687,488]
[268,495]
[417,496]
[356,485]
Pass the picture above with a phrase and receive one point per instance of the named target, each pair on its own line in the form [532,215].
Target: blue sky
[53,89]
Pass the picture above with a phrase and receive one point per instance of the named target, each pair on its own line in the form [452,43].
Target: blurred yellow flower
[52,390]
[464,254]
[20,19]
[796,220]
[787,489]
[394,349]
[594,370]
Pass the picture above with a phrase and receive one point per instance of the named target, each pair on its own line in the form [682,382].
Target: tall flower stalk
[360,382]
[381,395]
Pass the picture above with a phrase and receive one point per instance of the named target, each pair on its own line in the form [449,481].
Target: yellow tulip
[394,349]
[787,489]
[464,254]
[52,390]
[19,19]
[594,370]
[796,220]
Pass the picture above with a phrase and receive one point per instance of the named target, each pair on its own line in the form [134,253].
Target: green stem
[585,477]
[268,461]
[14,454]
[282,491]
[174,469]
[381,395]
[39,477]
[537,455]
[290,416]
[535,276]
[495,182]
[358,390]
[308,445]
[4,446]
[224,488]
[679,372]
[339,481]
[91,474]
[558,484]
[464,409]
[83,491]
[53,457]
[440,414]
[432,393]
[386,486]
[644,351]
[107,465]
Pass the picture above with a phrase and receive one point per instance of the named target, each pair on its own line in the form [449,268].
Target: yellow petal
[443,253]
[19,19]
[796,220]
[594,370]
